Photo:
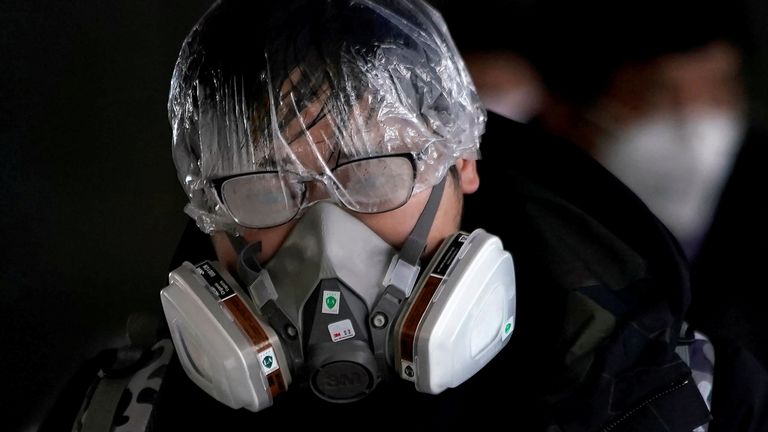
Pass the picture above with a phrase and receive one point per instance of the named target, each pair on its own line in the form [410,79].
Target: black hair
[242,53]
[599,38]
[577,46]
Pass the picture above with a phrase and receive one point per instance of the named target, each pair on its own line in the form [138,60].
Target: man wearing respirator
[341,278]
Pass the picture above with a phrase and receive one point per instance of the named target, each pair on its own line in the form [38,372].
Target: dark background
[91,208]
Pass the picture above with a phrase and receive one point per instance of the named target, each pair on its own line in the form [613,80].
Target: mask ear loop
[401,277]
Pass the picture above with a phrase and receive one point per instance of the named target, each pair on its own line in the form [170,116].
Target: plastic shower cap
[301,86]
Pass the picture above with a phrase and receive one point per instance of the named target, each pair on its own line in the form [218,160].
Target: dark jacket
[727,275]
[622,284]
[602,292]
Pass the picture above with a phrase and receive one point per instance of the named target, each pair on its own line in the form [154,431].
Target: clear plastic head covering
[301,86]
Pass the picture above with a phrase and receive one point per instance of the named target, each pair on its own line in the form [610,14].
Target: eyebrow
[306,124]
[305,128]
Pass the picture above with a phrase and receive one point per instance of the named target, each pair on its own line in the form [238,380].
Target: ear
[469,180]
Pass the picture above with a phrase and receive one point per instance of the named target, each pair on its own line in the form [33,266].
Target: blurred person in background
[506,83]
[657,94]
[492,38]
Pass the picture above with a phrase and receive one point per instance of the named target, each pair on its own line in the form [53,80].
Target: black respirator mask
[339,309]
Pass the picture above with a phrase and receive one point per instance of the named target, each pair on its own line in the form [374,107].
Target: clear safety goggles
[264,199]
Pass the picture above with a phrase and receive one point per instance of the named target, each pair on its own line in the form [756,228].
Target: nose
[317,190]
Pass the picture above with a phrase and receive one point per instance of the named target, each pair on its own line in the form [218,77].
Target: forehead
[310,140]
[319,136]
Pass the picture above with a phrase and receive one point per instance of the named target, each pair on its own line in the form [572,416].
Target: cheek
[271,239]
[394,226]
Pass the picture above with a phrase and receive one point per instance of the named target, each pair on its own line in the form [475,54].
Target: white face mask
[678,164]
